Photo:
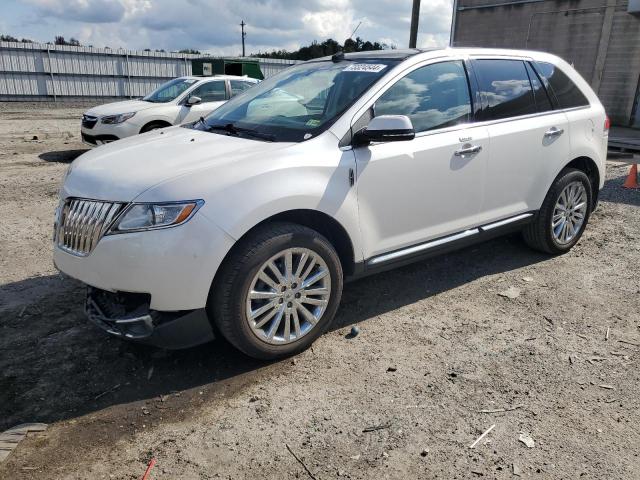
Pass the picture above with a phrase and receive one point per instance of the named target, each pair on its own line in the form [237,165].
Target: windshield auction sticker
[365,67]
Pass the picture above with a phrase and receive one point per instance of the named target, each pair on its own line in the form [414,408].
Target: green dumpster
[207,67]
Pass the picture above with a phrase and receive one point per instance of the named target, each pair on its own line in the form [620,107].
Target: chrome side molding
[386,257]
[422,247]
[506,221]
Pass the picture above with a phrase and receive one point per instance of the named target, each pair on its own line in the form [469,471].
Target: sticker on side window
[365,67]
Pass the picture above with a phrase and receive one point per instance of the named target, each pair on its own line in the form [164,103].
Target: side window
[543,103]
[567,93]
[434,96]
[211,92]
[238,86]
[505,89]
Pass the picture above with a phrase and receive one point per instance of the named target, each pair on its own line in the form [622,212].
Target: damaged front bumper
[128,315]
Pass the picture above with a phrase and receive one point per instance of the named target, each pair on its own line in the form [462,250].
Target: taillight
[607,124]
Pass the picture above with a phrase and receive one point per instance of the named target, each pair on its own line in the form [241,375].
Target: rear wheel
[564,214]
[278,291]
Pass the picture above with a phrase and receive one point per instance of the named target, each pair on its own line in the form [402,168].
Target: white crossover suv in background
[248,222]
[178,101]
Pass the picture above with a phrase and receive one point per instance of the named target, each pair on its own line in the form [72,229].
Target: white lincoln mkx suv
[248,222]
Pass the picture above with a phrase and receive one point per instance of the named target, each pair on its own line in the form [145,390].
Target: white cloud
[213,25]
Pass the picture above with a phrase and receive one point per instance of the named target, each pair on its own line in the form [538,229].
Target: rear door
[527,136]
[239,86]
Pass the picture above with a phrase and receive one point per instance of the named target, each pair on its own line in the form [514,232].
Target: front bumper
[104,133]
[127,315]
[175,266]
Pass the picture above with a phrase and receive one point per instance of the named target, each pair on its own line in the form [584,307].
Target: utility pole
[244,34]
[415,18]
[454,17]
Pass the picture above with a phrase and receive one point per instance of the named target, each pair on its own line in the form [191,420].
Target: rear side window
[434,96]
[238,86]
[565,91]
[505,89]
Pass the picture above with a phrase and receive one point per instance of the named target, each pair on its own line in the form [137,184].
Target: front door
[212,95]
[412,191]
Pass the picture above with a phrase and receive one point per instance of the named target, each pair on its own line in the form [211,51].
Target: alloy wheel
[569,213]
[288,296]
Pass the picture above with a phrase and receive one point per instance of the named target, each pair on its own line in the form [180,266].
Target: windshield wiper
[233,130]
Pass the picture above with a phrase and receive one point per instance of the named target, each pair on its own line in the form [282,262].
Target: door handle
[467,149]
[554,132]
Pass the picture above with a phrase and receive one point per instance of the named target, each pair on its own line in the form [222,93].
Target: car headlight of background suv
[114,119]
[149,216]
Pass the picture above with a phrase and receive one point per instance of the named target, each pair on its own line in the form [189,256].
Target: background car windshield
[170,90]
[301,101]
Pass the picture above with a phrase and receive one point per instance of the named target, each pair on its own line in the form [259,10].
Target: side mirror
[193,101]
[386,128]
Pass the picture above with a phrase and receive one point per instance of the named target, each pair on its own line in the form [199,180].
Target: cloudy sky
[213,25]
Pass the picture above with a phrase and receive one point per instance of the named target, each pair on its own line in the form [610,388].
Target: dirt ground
[441,357]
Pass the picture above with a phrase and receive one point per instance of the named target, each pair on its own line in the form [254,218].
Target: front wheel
[278,291]
[564,214]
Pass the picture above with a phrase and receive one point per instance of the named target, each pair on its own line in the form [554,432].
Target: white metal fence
[44,72]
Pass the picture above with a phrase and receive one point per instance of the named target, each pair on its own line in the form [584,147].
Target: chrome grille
[82,223]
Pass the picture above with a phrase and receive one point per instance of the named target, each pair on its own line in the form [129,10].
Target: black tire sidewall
[236,328]
[559,185]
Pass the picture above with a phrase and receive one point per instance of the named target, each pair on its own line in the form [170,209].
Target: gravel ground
[441,357]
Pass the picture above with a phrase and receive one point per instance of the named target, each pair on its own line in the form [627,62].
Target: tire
[153,126]
[539,234]
[231,308]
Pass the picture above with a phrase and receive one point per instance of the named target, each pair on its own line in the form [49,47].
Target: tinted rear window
[505,88]
[565,91]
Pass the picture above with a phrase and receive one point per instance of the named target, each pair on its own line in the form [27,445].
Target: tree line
[323,49]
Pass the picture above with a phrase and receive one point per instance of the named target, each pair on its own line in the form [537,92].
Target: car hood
[117,108]
[122,170]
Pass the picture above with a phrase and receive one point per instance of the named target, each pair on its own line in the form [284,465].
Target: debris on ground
[527,440]
[376,428]
[486,432]
[354,332]
[10,439]
[511,293]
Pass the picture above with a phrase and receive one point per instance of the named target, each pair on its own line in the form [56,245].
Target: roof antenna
[339,55]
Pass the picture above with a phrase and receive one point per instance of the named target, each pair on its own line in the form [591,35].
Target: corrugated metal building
[31,71]
[601,38]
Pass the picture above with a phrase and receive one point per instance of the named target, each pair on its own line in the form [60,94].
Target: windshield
[298,103]
[170,90]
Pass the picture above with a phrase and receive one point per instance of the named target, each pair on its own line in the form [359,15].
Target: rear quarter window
[566,92]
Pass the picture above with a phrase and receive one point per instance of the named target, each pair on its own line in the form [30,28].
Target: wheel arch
[319,221]
[590,168]
[163,124]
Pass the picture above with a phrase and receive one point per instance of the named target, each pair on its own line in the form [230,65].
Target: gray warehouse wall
[599,37]
[30,71]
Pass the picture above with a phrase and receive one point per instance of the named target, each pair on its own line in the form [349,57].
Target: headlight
[113,119]
[147,216]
